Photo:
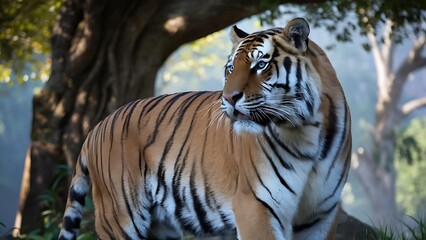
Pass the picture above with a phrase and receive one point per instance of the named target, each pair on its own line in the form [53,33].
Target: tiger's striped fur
[266,158]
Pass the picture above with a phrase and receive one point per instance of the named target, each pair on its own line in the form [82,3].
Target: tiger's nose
[232,98]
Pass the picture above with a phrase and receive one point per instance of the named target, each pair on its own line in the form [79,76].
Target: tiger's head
[271,79]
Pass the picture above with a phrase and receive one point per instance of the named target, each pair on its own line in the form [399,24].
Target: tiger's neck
[306,137]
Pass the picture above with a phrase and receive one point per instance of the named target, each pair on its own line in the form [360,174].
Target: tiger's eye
[260,65]
[231,68]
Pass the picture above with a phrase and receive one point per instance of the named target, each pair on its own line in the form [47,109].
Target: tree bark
[104,54]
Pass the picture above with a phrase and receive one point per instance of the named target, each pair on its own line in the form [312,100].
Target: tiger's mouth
[238,116]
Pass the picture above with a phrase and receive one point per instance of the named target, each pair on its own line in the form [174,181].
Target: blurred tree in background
[385,23]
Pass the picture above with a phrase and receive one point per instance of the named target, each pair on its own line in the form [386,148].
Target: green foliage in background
[197,65]
[411,165]
[346,18]
[25,30]
[367,14]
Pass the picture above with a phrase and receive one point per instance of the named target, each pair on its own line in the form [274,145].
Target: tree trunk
[375,165]
[104,54]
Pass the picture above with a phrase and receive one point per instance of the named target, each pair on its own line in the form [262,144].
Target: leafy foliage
[344,18]
[410,159]
[25,30]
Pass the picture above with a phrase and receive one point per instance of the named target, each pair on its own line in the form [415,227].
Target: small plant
[418,232]
[52,217]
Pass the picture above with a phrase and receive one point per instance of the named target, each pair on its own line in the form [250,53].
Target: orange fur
[198,162]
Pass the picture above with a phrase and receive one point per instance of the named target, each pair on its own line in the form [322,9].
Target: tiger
[266,157]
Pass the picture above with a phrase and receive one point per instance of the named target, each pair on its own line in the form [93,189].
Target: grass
[410,233]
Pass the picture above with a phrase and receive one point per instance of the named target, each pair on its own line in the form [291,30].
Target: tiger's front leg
[319,206]
[254,219]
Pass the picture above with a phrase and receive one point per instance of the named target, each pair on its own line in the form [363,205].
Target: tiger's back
[266,158]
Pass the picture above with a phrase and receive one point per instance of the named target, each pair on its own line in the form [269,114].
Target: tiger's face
[269,79]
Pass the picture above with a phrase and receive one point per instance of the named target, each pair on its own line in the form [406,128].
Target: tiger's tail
[76,199]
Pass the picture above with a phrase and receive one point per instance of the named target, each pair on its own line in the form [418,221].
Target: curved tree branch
[412,62]
[413,105]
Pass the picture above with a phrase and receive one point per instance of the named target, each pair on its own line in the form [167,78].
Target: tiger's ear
[298,30]
[237,34]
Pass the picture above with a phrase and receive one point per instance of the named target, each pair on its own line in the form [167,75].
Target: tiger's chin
[247,126]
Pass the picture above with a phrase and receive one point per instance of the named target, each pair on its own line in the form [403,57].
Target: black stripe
[329,210]
[197,205]
[342,179]
[304,226]
[299,80]
[261,181]
[339,143]
[126,124]
[143,175]
[177,180]
[259,40]
[283,182]
[112,127]
[111,186]
[130,212]
[152,137]
[270,210]
[208,196]
[295,152]
[188,130]
[154,102]
[109,230]
[331,129]
[181,201]
[277,69]
[84,169]
[75,196]
[159,120]
[161,168]
[104,182]
[287,67]
[309,101]
[125,195]
[71,224]
[274,149]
